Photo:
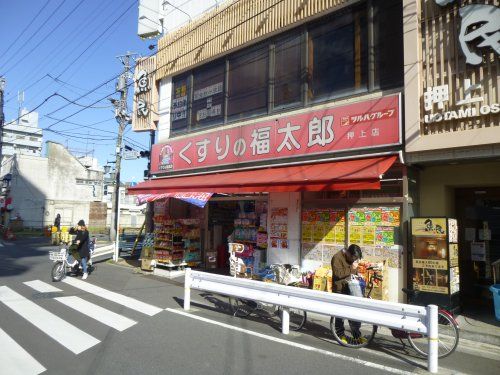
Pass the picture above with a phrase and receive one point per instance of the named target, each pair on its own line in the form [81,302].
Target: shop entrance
[478,214]
[236,220]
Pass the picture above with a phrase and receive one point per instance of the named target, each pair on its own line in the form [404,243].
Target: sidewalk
[479,326]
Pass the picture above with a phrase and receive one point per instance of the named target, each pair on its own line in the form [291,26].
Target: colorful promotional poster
[279,228]
[374,216]
[430,261]
[325,226]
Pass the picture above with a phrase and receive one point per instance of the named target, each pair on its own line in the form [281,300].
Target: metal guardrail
[104,251]
[382,313]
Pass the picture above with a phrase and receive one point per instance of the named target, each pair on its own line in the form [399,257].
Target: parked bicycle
[244,307]
[448,329]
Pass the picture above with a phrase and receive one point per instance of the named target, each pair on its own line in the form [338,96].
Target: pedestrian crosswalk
[16,360]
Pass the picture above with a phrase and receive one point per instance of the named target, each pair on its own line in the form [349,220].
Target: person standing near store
[57,222]
[344,264]
[82,246]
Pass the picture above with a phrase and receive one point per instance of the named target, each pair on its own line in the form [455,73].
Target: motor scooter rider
[80,247]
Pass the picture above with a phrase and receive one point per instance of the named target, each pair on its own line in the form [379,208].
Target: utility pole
[2,119]
[122,117]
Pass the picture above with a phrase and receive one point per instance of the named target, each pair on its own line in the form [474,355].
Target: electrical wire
[4,53]
[45,37]
[96,39]
[19,49]
[59,47]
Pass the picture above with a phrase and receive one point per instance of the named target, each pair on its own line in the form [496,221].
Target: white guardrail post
[433,337]
[285,320]
[187,289]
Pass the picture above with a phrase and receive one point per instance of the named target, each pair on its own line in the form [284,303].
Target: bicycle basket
[57,255]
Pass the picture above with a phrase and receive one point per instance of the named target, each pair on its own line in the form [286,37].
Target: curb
[480,337]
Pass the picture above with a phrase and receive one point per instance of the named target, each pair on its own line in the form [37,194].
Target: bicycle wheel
[297,318]
[447,337]
[58,271]
[355,335]
[241,307]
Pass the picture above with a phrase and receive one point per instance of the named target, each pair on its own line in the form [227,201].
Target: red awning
[359,174]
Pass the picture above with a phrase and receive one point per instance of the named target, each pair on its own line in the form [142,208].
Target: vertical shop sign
[144,108]
[430,257]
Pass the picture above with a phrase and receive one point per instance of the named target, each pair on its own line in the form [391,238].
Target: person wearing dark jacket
[82,246]
[345,264]
[57,222]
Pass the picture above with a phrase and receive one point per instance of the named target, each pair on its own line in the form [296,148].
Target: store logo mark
[166,158]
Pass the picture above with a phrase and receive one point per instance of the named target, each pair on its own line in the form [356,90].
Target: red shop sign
[364,125]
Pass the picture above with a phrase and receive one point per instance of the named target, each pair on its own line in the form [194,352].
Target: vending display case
[434,261]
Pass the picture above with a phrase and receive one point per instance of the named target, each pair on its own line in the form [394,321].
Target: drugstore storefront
[298,187]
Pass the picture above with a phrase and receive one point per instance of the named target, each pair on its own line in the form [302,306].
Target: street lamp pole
[122,117]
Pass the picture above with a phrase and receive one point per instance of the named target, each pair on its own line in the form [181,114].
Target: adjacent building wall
[438,182]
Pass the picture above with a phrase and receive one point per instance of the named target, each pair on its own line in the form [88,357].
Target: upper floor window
[179,111]
[287,71]
[337,56]
[248,82]
[317,62]
[388,35]
[208,95]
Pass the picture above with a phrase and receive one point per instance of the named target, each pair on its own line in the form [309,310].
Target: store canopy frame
[355,174]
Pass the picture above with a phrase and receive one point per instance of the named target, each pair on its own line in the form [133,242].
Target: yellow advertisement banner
[453,254]
[369,236]
[355,234]
[426,226]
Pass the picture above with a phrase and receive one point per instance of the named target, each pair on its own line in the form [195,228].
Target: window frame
[369,79]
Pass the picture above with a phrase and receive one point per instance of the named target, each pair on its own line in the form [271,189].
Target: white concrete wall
[165,99]
[292,201]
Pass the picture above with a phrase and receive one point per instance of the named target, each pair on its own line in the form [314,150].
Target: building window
[33,139]
[179,111]
[317,62]
[208,95]
[388,35]
[248,82]
[287,71]
[337,56]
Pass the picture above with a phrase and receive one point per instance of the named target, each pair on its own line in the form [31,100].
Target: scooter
[61,266]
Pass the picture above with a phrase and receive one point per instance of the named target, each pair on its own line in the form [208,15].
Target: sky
[69,48]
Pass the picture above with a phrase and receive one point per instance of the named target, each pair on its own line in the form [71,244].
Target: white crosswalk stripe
[110,318]
[15,360]
[42,287]
[120,299]
[63,332]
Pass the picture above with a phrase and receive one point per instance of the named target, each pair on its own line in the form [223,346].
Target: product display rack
[246,228]
[177,242]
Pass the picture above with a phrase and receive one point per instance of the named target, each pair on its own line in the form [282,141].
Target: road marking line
[293,344]
[129,302]
[41,287]
[64,333]
[105,316]
[15,360]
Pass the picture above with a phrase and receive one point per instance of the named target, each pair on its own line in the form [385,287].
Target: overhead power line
[32,35]
[46,36]
[4,53]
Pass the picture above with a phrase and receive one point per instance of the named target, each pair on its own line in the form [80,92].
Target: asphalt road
[130,323]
